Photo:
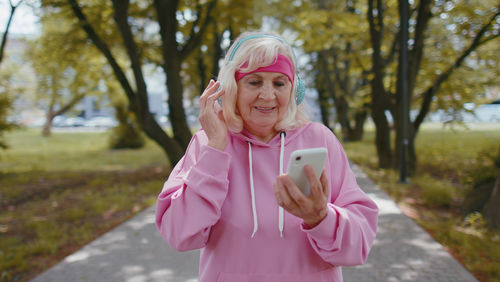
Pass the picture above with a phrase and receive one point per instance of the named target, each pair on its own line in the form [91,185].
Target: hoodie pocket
[329,275]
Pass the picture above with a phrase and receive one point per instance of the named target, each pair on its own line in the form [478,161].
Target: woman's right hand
[211,118]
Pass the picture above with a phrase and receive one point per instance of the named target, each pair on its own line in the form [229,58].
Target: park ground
[61,192]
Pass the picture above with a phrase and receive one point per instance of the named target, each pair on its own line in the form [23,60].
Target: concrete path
[134,252]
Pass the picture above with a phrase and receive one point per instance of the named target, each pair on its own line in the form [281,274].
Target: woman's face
[262,102]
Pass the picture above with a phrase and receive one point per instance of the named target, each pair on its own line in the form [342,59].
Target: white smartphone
[298,159]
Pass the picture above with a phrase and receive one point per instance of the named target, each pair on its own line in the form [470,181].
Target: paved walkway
[134,251]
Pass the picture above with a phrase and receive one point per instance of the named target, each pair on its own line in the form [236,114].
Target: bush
[5,104]
[434,191]
[127,135]
[481,179]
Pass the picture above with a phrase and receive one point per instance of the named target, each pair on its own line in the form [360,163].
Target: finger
[215,96]
[276,189]
[209,90]
[324,184]
[209,86]
[212,93]
[279,192]
[314,183]
[286,200]
[220,115]
[212,100]
[293,192]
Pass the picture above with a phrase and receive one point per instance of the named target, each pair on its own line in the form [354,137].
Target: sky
[24,21]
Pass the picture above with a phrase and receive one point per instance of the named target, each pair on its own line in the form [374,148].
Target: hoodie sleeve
[346,234]
[191,199]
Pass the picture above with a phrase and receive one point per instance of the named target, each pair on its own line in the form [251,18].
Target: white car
[488,113]
[101,121]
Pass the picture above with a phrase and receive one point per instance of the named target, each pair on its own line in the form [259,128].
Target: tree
[63,79]
[337,49]
[230,19]
[5,101]
[175,49]
[343,73]
[478,31]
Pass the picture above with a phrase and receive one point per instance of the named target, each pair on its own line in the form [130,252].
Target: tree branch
[121,15]
[195,38]
[486,40]
[394,49]
[165,13]
[70,104]
[434,88]
[424,14]
[6,32]
[103,47]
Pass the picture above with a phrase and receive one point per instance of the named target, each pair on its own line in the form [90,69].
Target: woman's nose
[267,91]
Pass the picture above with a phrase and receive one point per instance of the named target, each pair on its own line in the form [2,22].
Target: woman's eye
[254,82]
[279,83]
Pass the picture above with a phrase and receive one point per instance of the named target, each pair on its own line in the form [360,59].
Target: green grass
[450,160]
[76,151]
[59,193]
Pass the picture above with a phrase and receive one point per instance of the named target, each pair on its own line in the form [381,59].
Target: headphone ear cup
[300,91]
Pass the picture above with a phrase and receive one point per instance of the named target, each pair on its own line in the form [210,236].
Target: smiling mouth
[265,109]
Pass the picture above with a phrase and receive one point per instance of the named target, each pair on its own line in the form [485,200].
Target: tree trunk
[173,55]
[177,115]
[328,88]
[356,134]
[47,126]
[202,70]
[324,106]
[143,114]
[217,53]
[378,108]
[380,99]
[342,107]
[492,209]
[382,135]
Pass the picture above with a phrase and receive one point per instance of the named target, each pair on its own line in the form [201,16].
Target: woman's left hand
[313,208]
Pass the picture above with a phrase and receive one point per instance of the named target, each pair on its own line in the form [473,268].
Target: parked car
[74,122]
[488,113]
[101,121]
[58,121]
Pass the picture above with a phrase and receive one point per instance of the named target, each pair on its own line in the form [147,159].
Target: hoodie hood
[246,137]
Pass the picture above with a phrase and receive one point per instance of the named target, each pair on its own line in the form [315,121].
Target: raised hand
[211,118]
[313,208]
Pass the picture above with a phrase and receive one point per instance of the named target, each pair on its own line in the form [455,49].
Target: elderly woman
[229,196]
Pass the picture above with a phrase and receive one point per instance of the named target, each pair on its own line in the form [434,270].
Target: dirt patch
[53,215]
[44,184]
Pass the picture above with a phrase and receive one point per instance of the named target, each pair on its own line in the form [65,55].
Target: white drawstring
[280,209]
[252,191]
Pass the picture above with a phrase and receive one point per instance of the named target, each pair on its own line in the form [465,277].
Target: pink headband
[282,65]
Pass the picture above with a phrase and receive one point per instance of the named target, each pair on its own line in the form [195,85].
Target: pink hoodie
[207,203]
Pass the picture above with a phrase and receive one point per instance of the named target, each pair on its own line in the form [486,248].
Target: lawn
[450,160]
[61,192]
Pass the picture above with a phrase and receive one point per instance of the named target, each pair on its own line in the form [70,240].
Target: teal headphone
[300,88]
